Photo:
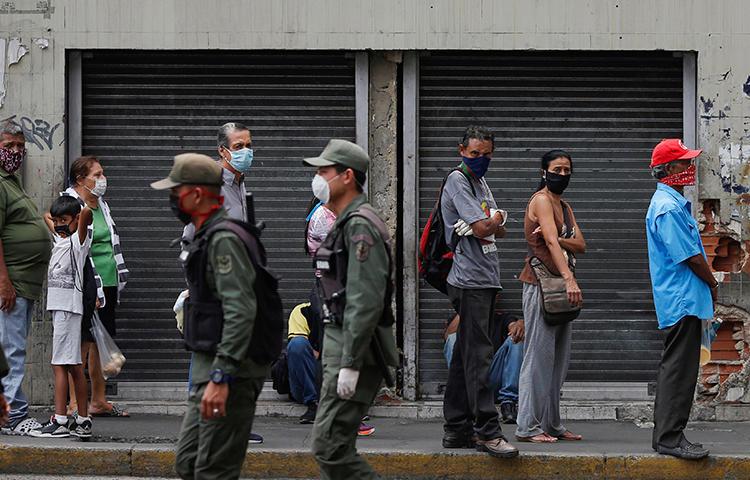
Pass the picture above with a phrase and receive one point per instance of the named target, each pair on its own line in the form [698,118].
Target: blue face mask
[242,159]
[478,165]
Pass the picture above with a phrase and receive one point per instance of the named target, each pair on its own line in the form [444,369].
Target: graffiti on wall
[37,131]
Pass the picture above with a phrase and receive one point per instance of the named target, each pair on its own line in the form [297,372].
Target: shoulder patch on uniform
[363,237]
[223,264]
[362,250]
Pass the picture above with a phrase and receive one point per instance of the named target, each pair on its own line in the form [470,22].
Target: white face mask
[100,188]
[321,189]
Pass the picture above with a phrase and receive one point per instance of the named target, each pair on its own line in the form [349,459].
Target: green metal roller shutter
[140,108]
[608,110]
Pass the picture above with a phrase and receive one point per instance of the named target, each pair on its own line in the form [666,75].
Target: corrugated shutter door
[142,108]
[608,111]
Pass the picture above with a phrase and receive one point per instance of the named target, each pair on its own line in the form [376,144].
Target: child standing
[73,235]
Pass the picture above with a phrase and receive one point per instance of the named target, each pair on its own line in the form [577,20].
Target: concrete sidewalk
[400,448]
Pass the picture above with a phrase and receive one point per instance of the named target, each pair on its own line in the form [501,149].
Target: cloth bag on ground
[110,356]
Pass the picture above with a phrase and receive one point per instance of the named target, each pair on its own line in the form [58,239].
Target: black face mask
[556,183]
[63,230]
[174,205]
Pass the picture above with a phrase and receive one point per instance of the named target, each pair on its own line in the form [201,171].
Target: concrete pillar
[382,142]
[383,119]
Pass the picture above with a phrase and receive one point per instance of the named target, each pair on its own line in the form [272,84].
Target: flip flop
[541,438]
[569,436]
[115,412]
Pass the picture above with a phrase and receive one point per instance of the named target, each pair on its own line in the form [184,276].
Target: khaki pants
[215,449]
[336,425]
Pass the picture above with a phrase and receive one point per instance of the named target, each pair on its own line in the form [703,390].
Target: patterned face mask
[682,179]
[10,161]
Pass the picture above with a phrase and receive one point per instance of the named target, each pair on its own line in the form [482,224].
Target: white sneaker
[22,427]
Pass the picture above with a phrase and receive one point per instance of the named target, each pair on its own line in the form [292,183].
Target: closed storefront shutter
[142,108]
[608,111]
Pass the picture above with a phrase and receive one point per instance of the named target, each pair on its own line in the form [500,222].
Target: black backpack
[280,374]
[266,341]
[435,258]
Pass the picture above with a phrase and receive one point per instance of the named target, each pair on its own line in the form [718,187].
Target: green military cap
[341,152]
[192,169]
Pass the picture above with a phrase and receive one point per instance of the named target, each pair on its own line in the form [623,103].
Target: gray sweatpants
[545,364]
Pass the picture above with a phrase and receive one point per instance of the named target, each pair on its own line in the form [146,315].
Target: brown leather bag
[556,308]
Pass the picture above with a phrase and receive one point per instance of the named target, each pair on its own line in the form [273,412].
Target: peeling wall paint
[42,43]
[16,51]
[734,168]
[726,378]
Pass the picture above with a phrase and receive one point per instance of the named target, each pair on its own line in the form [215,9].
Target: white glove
[462,228]
[347,383]
[503,214]
[180,303]
[178,309]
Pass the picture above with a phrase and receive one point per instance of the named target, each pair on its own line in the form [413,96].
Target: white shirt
[65,273]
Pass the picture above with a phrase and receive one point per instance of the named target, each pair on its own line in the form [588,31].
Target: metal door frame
[410,209]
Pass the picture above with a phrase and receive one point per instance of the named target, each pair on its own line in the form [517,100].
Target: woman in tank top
[555,238]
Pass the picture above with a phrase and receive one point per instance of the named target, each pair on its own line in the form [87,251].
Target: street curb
[156,460]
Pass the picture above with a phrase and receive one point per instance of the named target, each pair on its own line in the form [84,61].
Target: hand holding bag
[111,358]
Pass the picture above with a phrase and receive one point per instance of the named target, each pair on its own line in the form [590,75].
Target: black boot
[309,416]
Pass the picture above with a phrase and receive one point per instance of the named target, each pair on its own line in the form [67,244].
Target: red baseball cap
[671,149]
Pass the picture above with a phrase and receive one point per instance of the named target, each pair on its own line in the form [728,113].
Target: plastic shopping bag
[110,356]
[709,330]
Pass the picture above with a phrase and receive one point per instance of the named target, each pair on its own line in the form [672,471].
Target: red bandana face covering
[682,179]
[10,161]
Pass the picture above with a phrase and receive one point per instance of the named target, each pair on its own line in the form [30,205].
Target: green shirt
[26,240]
[101,250]
[230,276]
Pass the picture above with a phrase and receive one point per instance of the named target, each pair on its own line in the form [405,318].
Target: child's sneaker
[51,429]
[82,430]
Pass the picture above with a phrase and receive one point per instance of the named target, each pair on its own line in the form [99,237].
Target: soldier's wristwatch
[218,376]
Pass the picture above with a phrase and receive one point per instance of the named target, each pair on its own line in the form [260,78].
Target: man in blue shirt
[684,291]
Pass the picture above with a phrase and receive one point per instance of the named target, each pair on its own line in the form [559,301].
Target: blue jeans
[505,368]
[190,374]
[303,370]
[14,328]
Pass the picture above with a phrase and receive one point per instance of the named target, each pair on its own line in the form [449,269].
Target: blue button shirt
[673,237]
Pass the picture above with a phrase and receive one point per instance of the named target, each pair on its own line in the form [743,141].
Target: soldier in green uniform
[220,274]
[356,289]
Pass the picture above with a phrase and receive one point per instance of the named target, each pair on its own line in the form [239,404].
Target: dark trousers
[469,400]
[675,383]
[336,424]
[215,449]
